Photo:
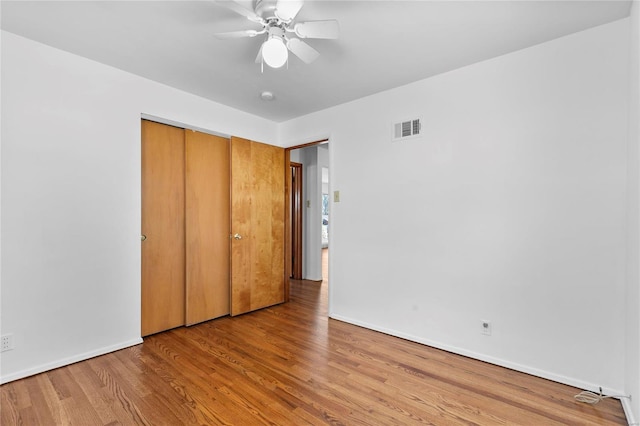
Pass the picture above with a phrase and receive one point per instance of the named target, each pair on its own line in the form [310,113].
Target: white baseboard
[66,361]
[628,411]
[492,360]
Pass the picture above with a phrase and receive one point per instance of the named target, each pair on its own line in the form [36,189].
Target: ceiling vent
[408,129]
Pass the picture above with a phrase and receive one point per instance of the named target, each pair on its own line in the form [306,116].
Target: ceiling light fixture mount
[267,96]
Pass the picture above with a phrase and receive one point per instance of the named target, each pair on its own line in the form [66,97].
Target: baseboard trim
[304,280]
[581,384]
[67,361]
[628,411]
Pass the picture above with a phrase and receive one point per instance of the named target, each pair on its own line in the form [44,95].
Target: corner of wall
[632,367]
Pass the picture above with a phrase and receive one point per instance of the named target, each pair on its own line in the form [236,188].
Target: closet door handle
[237,236]
[143,237]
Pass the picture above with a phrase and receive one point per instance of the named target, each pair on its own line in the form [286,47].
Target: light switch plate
[336,196]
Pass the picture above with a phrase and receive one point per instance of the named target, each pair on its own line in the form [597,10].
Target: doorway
[310,191]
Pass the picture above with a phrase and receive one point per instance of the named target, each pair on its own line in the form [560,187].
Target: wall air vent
[407,129]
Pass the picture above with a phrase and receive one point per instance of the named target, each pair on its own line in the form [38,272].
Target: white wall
[71,199]
[511,208]
[632,372]
[0,190]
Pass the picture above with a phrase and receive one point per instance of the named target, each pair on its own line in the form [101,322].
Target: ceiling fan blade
[239,9]
[318,29]
[259,57]
[286,10]
[302,50]
[237,34]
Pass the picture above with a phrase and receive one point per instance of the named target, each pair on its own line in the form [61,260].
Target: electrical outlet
[486,327]
[6,342]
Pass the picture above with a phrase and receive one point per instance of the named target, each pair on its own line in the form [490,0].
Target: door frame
[287,210]
[296,220]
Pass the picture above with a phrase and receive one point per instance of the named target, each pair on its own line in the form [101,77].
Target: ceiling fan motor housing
[266,9]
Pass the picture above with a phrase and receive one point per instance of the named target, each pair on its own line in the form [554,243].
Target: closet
[213,226]
[185,227]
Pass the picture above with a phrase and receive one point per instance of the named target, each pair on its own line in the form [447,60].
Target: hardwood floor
[291,365]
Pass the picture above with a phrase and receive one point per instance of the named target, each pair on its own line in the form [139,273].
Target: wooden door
[257,224]
[163,250]
[207,226]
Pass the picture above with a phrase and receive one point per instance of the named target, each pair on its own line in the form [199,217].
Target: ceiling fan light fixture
[274,52]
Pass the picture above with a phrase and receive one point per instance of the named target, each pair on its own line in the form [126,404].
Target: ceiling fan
[276,18]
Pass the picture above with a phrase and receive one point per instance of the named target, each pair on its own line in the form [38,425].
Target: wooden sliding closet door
[257,225]
[194,185]
[207,226]
[163,250]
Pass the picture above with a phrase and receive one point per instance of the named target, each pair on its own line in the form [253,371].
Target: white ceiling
[383,44]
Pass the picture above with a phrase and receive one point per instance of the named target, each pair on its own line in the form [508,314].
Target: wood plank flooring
[291,365]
